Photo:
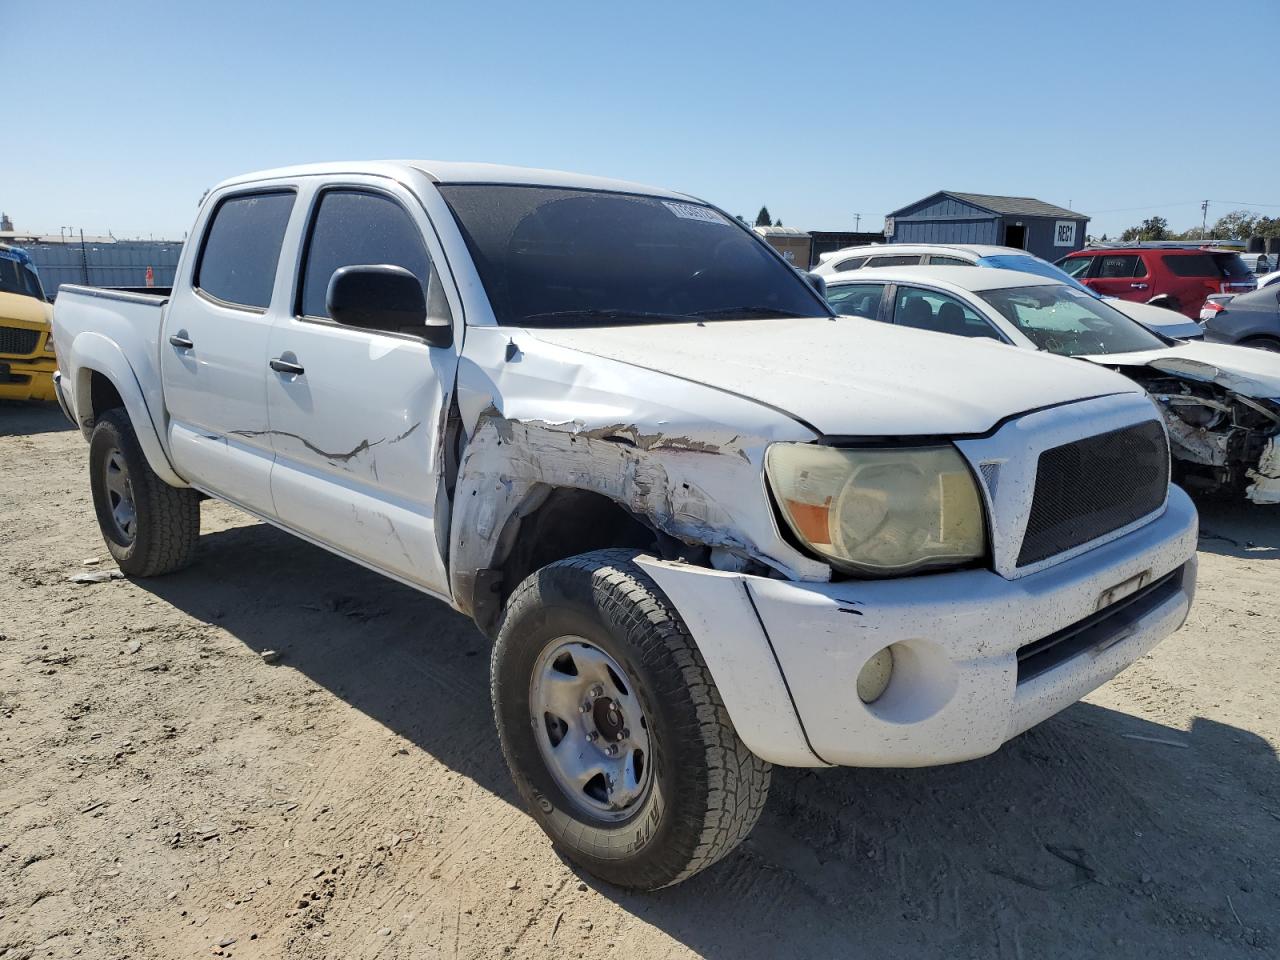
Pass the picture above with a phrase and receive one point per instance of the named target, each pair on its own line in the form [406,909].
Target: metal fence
[123,263]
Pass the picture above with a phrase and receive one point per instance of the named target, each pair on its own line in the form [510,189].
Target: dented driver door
[356,414]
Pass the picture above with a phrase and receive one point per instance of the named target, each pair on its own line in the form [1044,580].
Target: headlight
[880,511]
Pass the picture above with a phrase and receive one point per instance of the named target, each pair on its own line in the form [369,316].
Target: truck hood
[28,310]
[852,376]
[1244,370]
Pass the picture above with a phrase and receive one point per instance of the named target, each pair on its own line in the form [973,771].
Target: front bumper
[26,378]
[786,655]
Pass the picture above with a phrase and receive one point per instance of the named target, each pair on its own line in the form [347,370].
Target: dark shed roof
[1006,206]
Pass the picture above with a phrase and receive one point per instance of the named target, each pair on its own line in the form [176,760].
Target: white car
[708,525]
[1168,323]
[1220,401]
[1267,279]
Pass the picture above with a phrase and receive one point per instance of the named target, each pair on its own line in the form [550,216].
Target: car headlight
[880,511]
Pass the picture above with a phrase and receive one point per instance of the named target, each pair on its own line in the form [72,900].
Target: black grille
[1090,487]
[20,342]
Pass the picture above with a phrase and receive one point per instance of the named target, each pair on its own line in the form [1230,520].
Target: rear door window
[898,260]
[1192,265]
[856,299]
[242,248]
[938,260]
[853,263]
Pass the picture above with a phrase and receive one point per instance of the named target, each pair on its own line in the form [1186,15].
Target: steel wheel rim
[591,731]
[119,490]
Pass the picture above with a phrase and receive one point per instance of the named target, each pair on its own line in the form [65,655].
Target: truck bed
[116,331]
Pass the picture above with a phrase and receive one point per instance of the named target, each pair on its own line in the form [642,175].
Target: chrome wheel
[124,516]
[592,734]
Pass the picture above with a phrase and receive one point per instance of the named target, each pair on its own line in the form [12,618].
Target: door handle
[1138,286]
[284,366]
[181,342]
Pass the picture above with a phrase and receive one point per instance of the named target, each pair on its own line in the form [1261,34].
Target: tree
[763,219]
[1242,225]
[777,223]
[1153,228]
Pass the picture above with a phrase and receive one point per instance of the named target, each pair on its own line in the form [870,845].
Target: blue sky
[1123,110]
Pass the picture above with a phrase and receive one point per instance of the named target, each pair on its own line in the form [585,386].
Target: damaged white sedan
[709,525]
[1221,402]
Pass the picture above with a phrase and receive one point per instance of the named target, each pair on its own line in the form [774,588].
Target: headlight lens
[880,511]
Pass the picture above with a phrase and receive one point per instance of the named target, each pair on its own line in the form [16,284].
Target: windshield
[17,277]
[1062,320]
[578,257]
[1041,268]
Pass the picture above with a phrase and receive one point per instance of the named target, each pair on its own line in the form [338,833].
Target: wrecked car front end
[1223,424]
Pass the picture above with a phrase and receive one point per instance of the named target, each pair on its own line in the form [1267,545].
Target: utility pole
[857,221]
[1204,217]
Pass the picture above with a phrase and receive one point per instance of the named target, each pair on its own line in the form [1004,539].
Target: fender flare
[93,353]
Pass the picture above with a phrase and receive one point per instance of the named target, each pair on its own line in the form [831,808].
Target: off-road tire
[708,788]
[168,518]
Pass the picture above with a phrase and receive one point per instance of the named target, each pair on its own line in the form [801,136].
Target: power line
[1182,203]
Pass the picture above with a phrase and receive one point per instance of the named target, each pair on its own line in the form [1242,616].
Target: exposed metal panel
[940,207]
[120,264]
[946,231]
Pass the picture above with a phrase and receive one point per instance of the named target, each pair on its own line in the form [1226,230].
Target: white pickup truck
[709,526]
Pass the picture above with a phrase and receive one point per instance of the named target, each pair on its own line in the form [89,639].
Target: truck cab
[708,526]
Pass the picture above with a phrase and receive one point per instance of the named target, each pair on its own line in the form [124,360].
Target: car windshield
[556,257]
[1041,268]
[1062,320]
[17,277]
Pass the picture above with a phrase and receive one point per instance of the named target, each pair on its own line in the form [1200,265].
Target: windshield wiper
[554,317]
[731,313]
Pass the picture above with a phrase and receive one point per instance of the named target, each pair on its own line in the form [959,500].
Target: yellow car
[26,342]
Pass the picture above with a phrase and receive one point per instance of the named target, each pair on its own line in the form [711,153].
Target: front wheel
[150,527]
[613,729]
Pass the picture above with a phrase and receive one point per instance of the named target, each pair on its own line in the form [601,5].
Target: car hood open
[852,376]
[1245,370]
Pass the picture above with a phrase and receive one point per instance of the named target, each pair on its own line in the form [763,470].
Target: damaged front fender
[689,466]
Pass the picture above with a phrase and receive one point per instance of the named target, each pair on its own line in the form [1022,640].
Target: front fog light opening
[874,677]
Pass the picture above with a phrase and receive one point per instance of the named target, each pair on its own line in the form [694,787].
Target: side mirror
[818,283]
[386,298]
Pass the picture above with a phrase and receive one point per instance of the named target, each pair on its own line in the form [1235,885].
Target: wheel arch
[105,379]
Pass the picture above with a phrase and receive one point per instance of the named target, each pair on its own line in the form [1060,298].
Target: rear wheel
[1262,343]
[613,729]
[150,527]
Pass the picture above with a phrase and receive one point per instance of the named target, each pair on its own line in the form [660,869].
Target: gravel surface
[279,754]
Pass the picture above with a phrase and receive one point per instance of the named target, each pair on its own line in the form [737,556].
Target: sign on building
[1064,233]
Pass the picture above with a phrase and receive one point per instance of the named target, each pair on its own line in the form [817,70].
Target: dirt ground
[165,792]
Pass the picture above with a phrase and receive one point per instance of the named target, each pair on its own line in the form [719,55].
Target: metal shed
[795,245]
[1046,230]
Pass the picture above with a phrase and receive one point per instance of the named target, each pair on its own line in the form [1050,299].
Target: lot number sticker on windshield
[691,211]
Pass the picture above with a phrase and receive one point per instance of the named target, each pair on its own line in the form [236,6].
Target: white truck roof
[455,172]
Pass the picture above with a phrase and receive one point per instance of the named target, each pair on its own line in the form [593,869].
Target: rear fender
[93,353]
